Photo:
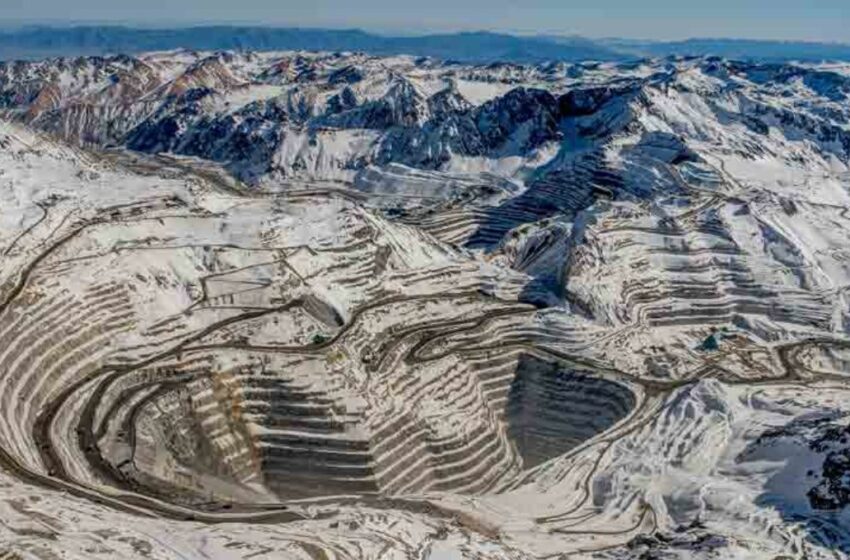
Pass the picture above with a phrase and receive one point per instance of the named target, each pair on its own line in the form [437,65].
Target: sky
[811,20]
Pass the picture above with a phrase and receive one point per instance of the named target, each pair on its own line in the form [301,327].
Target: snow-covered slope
[299,305]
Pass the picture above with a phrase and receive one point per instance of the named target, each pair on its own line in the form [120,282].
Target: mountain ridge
[39,41]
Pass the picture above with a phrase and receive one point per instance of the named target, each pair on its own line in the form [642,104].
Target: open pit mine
[331,306]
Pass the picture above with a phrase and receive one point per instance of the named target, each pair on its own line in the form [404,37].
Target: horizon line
[389,32]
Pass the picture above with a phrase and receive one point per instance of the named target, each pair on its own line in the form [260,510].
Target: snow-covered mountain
[312,305]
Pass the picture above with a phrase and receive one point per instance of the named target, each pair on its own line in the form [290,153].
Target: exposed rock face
[832,492]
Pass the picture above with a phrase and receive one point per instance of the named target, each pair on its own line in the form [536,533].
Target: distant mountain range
[42,41]
[741,49]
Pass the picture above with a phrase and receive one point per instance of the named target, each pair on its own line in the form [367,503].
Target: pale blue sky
[816,20]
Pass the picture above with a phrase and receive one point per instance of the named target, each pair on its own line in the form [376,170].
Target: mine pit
[307,447]
[551,409]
